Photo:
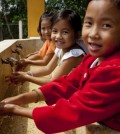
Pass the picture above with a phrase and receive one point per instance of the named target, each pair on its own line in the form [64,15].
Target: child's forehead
[115,3]
[62,21]
[103,8]
[46,19]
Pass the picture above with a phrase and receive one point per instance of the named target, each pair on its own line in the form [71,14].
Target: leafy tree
[11,12]
[77,5]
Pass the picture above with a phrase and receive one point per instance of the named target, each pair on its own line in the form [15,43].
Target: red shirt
[85,96]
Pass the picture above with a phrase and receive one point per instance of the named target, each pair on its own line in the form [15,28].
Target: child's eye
[87,23]
[54,31]
[65,32]
[42,28]
[106,26]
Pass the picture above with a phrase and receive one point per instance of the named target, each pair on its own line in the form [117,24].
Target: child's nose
[58,35]
[47,31]
[94,32]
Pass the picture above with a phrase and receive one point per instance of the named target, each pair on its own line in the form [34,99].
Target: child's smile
[63,35]
[101,28]
[94,47]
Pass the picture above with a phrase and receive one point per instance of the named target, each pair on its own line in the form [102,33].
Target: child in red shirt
[91,93]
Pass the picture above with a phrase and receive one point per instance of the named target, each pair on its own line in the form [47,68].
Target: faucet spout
[19,46]
[10,60]
[16,51]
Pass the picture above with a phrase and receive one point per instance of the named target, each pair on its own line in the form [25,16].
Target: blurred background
[23,15]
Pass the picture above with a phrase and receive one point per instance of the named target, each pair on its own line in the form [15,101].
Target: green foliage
[14,10]
[77,5]
[11,12]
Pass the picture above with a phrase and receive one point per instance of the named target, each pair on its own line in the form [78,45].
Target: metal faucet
[11,61]
[16,51]
[19,46]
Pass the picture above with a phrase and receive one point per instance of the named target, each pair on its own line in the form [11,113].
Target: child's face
[101,28]
[63,35]
[46,29]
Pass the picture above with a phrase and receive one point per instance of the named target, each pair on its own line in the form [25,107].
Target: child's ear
[78,35]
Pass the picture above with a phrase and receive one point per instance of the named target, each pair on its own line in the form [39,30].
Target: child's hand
[17,100]
[6,109]
[19,77]
[14,79]
[9,80]
[21,65]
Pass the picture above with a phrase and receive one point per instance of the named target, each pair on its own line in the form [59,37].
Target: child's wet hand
[19,76]
[11,80]
[21,65]
[2,104]
[15,78]
[6,109]
[12,100]
[2,111]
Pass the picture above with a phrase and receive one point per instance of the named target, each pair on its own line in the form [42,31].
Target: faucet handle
[19,46]
[5,61]
[10,60]
[16,51]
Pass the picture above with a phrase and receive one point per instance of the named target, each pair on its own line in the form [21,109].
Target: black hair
[45,15]
[71,16]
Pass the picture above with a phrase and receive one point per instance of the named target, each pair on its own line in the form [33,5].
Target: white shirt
[71,53]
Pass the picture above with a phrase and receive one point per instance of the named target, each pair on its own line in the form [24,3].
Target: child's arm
[18,77]
[31,54]
[24,62]
[84,101]
[41,62]
[8,109]
[25,98]
[65,68]
[12,104]
[47,69]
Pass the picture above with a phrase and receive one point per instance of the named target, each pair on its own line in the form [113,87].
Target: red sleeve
[63,87]
[99,99]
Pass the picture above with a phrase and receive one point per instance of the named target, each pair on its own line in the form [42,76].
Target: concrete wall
[5,51]
[14,124]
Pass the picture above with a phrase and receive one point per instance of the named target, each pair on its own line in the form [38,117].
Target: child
[45,54]
[66,29]
[91,93]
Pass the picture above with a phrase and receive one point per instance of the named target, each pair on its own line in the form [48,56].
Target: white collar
[94,63]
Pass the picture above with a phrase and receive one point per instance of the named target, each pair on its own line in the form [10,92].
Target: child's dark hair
[45,15]
[72,17]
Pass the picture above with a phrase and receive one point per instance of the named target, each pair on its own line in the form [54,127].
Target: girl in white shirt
[66,30]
